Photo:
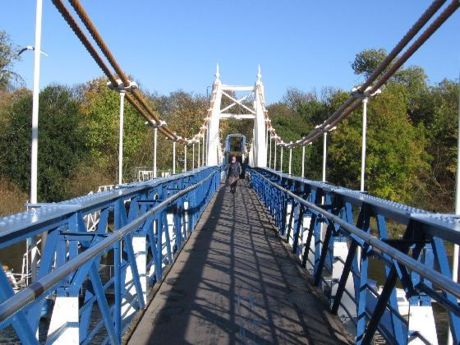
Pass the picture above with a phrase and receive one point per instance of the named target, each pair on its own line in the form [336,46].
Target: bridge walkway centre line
[236,283]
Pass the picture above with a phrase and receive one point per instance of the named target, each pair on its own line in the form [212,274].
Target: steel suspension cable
[142,108]
[377,79]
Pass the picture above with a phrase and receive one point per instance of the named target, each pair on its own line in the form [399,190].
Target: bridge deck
[235,283]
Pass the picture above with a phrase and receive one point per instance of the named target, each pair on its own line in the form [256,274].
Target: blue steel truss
[71,261]
[417,261]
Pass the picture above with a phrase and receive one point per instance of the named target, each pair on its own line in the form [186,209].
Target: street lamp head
[30,48]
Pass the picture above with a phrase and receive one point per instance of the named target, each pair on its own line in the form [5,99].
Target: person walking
[234,172]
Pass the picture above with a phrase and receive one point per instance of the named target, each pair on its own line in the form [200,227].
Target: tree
[367,61]
[8,55]
[184,113]
[100,109]
[396,156]
[61,142]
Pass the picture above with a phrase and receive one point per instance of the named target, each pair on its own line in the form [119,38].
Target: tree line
[412,135]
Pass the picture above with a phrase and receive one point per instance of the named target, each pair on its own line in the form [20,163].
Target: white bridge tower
[258,152]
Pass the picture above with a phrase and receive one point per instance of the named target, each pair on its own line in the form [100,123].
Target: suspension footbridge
[180,259]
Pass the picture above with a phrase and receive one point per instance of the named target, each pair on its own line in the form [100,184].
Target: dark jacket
[234,169]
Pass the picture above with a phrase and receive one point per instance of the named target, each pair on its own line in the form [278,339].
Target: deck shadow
[235,283]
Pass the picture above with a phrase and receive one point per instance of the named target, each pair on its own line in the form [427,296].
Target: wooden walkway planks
[235,283]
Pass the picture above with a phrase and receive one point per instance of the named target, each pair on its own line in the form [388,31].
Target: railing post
[274,164]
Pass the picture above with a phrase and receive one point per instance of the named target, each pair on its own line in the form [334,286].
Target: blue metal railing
[162,212]
[417,260]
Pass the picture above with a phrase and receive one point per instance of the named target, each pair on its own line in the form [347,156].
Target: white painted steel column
[455,258]
[205,152]
[303,161]
[64,324]
[281,159]
[199,161]
[260,148]
[204,149]
[31,242]
[193,156]
[155,146]
[120,143]
[174,158]
[270,153]
[266,141]
[290,161]
[274,163]
[213,125]
[324,155]
[35,103]
[364,143]
[129,302]
[185,158]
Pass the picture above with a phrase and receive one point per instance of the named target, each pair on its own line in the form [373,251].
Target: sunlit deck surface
[236,283]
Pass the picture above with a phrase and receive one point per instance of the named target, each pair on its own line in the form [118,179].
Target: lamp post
[35,104]
[31,243]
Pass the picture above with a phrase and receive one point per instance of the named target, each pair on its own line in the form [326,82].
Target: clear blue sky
[170,45]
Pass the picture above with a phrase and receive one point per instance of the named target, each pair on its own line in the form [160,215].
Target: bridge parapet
[338,234]
[140,230]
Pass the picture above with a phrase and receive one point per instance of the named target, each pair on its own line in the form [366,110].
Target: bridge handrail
[418,260]
[17,227]
[442,225]
[39,287]
[384,248]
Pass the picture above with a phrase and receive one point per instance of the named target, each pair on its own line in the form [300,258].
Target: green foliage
[412,133]
[367,61]
[184,114]
[411,147]
[61,141]
[395,149]
[100,109]
[8,55]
